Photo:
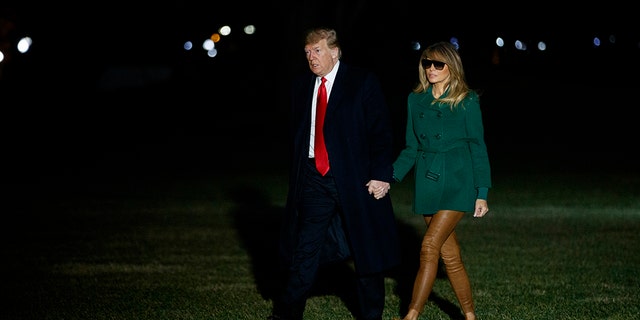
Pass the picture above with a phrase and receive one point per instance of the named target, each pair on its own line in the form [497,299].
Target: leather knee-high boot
[425,278]
[439,227]
[457,273]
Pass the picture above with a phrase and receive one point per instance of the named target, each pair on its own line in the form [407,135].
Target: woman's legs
[457,275]
[439,227]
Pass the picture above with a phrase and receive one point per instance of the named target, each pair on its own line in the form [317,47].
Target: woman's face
[435,70]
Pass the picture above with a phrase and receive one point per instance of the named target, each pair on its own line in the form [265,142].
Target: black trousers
[319,205]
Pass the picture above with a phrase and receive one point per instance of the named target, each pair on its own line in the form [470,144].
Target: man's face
[321,58]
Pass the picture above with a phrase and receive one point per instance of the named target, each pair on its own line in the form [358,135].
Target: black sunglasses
[426,63]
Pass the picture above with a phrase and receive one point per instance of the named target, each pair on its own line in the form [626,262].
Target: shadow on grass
[258,223]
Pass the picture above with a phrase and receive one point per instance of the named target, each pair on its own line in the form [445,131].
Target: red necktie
[320,150]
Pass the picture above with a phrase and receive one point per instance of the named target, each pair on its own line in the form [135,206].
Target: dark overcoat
[359,138]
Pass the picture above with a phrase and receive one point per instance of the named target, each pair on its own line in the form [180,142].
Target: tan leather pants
[440,241]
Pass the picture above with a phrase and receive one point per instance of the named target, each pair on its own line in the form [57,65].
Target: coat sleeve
[380,135]
[479,154]
[407,157]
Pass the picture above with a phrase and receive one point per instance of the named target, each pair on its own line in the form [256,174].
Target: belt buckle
[432,175]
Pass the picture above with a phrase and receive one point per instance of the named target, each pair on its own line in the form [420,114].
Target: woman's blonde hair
[457,87]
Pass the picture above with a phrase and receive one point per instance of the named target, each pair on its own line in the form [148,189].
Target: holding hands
[378,188]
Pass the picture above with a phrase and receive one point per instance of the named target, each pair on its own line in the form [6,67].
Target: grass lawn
[555,245]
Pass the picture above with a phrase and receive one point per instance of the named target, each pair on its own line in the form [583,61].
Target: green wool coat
[448,152]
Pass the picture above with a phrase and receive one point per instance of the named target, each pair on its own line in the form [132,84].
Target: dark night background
[108,90]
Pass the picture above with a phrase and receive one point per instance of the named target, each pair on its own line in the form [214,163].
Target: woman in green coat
[445,147]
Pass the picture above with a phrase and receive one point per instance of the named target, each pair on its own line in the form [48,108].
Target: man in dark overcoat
[344,212]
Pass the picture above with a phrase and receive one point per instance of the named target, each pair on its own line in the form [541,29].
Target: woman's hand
[481,208]
[378,189]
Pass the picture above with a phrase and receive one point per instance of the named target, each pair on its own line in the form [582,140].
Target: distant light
[415,45]
[249,29]
[225,30]
[542,46]
[24,44]
[215,37]
[208,44]
[500,42]
[212,53]
[455,42]
[596,41]
[520,45]
[188,45]
[1,56]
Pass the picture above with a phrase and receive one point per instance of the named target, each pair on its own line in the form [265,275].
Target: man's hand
[378,188]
